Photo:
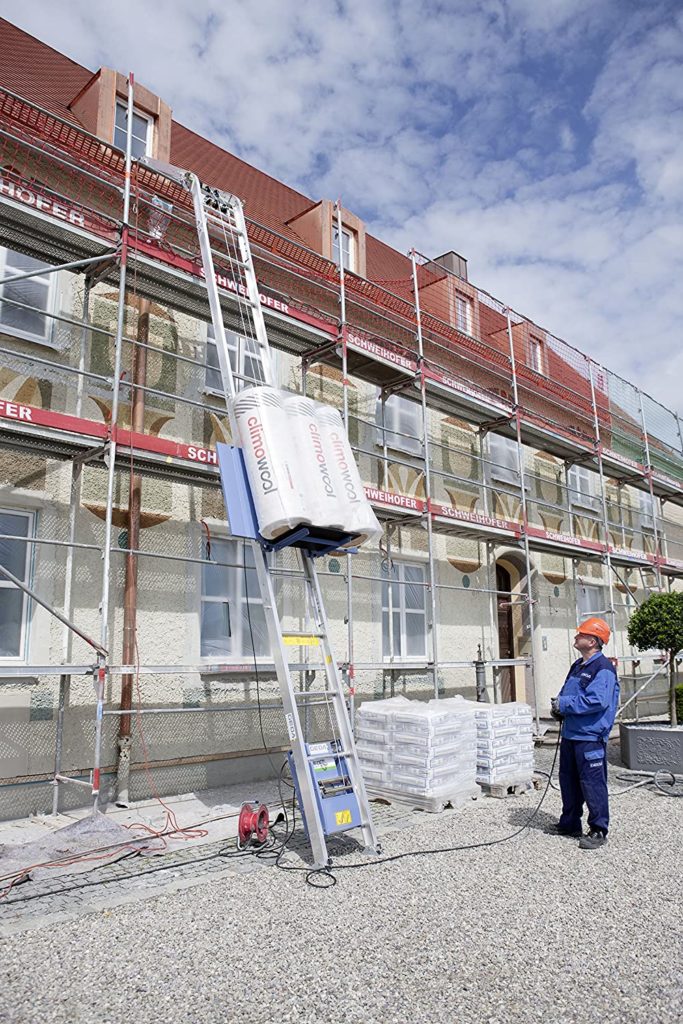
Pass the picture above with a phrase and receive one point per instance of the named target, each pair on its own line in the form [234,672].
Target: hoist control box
[332,786]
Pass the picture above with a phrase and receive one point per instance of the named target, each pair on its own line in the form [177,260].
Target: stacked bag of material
[417,753]
[505,746]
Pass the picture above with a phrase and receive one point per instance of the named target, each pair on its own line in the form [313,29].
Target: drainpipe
[130,598]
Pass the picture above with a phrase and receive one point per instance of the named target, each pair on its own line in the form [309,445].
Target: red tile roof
[43,76]
[34,70]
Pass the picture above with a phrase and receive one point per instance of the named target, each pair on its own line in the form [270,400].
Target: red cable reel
[252,825]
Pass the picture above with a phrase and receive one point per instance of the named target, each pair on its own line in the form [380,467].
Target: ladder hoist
[327,776]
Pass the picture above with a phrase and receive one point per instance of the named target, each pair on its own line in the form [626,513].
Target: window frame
[386,583]
[5,584]
[236,601]
[647,512]
[392,431]
[337,252]
[465,302]
[579,498]
[50,279]
[498,472]
[591,588]
[241,357]
[537,355]
[149,130]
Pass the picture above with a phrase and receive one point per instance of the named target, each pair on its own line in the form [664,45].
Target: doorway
[506,641]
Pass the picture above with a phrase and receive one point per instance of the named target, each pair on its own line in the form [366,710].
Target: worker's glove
[555,709]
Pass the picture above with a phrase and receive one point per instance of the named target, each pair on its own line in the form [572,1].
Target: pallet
[501,790]
[432,804]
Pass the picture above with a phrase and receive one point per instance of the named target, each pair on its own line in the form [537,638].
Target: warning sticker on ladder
[300,641]
[291,728]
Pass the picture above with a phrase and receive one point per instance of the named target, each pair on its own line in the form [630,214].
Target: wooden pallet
[500,790]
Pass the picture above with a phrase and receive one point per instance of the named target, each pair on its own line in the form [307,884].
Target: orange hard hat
[595,627]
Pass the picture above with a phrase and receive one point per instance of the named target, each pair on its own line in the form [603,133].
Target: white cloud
[541,140]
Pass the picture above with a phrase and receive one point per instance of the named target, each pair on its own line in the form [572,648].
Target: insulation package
[300,465]
[315,477]
[269,456]
[359,517]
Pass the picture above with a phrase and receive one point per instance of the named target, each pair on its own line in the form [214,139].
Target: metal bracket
[489,425]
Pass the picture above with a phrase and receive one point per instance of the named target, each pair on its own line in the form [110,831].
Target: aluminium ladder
[224,213]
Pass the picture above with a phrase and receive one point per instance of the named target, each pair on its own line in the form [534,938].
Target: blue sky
[542,139]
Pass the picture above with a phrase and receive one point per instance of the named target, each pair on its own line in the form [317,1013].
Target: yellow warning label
[301,641]
[343,817]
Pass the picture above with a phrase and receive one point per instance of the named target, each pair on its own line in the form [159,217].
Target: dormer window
[141,131]
[536,360]
[463,313]
[347,248]
[319,228]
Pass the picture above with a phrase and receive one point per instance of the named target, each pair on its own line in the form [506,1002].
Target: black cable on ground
[324,878]
[247,601]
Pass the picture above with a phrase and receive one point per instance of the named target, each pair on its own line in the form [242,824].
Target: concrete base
[652,746]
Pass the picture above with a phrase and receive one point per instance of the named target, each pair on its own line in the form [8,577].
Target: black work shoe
[593,841]
[555,830]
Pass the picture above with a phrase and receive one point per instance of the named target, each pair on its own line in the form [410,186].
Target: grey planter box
[651,746]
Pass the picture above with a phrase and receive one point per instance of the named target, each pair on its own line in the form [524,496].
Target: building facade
[520,484]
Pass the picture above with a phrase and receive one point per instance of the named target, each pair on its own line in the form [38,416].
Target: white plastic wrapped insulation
[359,517]
[315,477]
[269,456]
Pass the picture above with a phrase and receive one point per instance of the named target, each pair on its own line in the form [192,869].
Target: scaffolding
[517,447]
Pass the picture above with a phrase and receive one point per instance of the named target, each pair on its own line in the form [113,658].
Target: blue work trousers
[583,779]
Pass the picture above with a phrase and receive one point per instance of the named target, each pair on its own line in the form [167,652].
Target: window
[405,586]
[581,485]
[402,424]
[141,131]
[590,600]
[347,248]
[647,511]
[504,467]
[245,360]
[15,555]
[228,620]
[536,360]
[463,313]
[29,320]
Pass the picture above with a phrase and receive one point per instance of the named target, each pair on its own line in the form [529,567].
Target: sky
[541,139]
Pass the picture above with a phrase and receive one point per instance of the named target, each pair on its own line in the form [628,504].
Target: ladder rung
[303,632]
[223,223]
[318,693]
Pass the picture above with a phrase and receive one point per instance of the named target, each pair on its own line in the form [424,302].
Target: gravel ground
[531,930]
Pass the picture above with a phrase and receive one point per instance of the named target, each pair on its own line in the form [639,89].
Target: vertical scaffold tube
[525,517]
[603,500]
[427,480]
[118,343]
[345,417]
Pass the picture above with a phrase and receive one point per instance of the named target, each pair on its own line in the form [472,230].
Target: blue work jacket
[589,699]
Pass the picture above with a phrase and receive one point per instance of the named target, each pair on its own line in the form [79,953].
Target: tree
[658,623]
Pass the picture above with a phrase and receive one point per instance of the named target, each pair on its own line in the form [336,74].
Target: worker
[587,706]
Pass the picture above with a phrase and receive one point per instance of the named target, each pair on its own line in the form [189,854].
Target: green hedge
[679,703]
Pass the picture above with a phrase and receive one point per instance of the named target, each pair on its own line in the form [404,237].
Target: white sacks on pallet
[416,753]
[300,465]
[505,745]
